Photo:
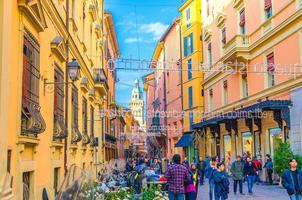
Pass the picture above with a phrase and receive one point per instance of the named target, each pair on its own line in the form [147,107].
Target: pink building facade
[163,93]
[251,90]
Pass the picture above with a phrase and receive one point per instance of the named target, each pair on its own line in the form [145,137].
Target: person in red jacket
[258,167]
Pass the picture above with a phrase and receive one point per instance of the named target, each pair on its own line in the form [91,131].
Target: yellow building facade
[192,77]
[37,40]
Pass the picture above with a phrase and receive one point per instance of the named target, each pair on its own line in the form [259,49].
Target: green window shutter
[185,47]
[191,40]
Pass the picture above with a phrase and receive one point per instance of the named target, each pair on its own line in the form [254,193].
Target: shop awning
[246,112]
[185,140]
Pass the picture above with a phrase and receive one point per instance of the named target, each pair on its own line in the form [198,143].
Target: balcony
[100,80]
[236,48]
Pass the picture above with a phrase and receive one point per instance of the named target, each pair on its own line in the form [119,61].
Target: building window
[247,143]
[270,69]
[84,116]
[268,8]
[190,97]
[210,54]
[91,123]
[58,103]
[56,175]
[189,69]
[188,45]
[191,120]
[83,22]
[211,102]
[27,180]
[31,119]
[208,8]
[73,9]
[225,92]
[74,114]
[188,17]
[242,22]
[244,84]
[8,164]
[223,36]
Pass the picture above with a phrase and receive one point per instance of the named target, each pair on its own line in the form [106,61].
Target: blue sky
[152,18]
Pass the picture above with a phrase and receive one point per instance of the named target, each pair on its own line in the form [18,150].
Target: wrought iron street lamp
[73,69]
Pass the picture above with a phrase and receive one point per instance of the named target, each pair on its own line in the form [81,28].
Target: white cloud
[156,29]
[132,40]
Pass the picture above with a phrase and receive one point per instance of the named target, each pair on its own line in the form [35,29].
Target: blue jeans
[257,179]
[250,183]
[296,197]
[218,197]
[211,191]
[176,196]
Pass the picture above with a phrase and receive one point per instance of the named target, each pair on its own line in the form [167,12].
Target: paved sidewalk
[261,192]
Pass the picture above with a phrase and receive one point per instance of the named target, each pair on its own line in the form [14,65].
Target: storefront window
[213,147]
[275,136]
[227,141]
[247,143]
[257,144]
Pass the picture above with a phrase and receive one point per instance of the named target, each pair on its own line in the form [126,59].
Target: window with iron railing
[58,103]
[84,115]
[31,70]
[91,123]
[74,114]
[32,121]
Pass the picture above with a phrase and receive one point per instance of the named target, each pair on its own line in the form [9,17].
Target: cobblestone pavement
[261,192]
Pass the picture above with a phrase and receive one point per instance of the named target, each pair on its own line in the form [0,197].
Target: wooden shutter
[242,18]
[270,63]
[209,47]
[211,92]
[267,4]
[191,41]
[185,46]
[225,84]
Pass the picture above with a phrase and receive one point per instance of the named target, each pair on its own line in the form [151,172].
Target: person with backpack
[209,175]
[269,168]
[292,180]
[221,182]
[237,174]
[250,172]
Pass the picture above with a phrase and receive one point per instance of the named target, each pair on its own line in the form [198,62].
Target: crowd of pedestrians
[184,178]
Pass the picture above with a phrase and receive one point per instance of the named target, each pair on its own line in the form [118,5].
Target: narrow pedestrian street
[142,99]
[261,192]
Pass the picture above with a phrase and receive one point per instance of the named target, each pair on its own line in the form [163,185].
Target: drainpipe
[66,88]
[181,80]
[165,99]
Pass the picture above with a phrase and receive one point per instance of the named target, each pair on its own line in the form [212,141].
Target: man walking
[209,175]
[201,169]
[292,180]
[237,173]
[176,175]
[250,171]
